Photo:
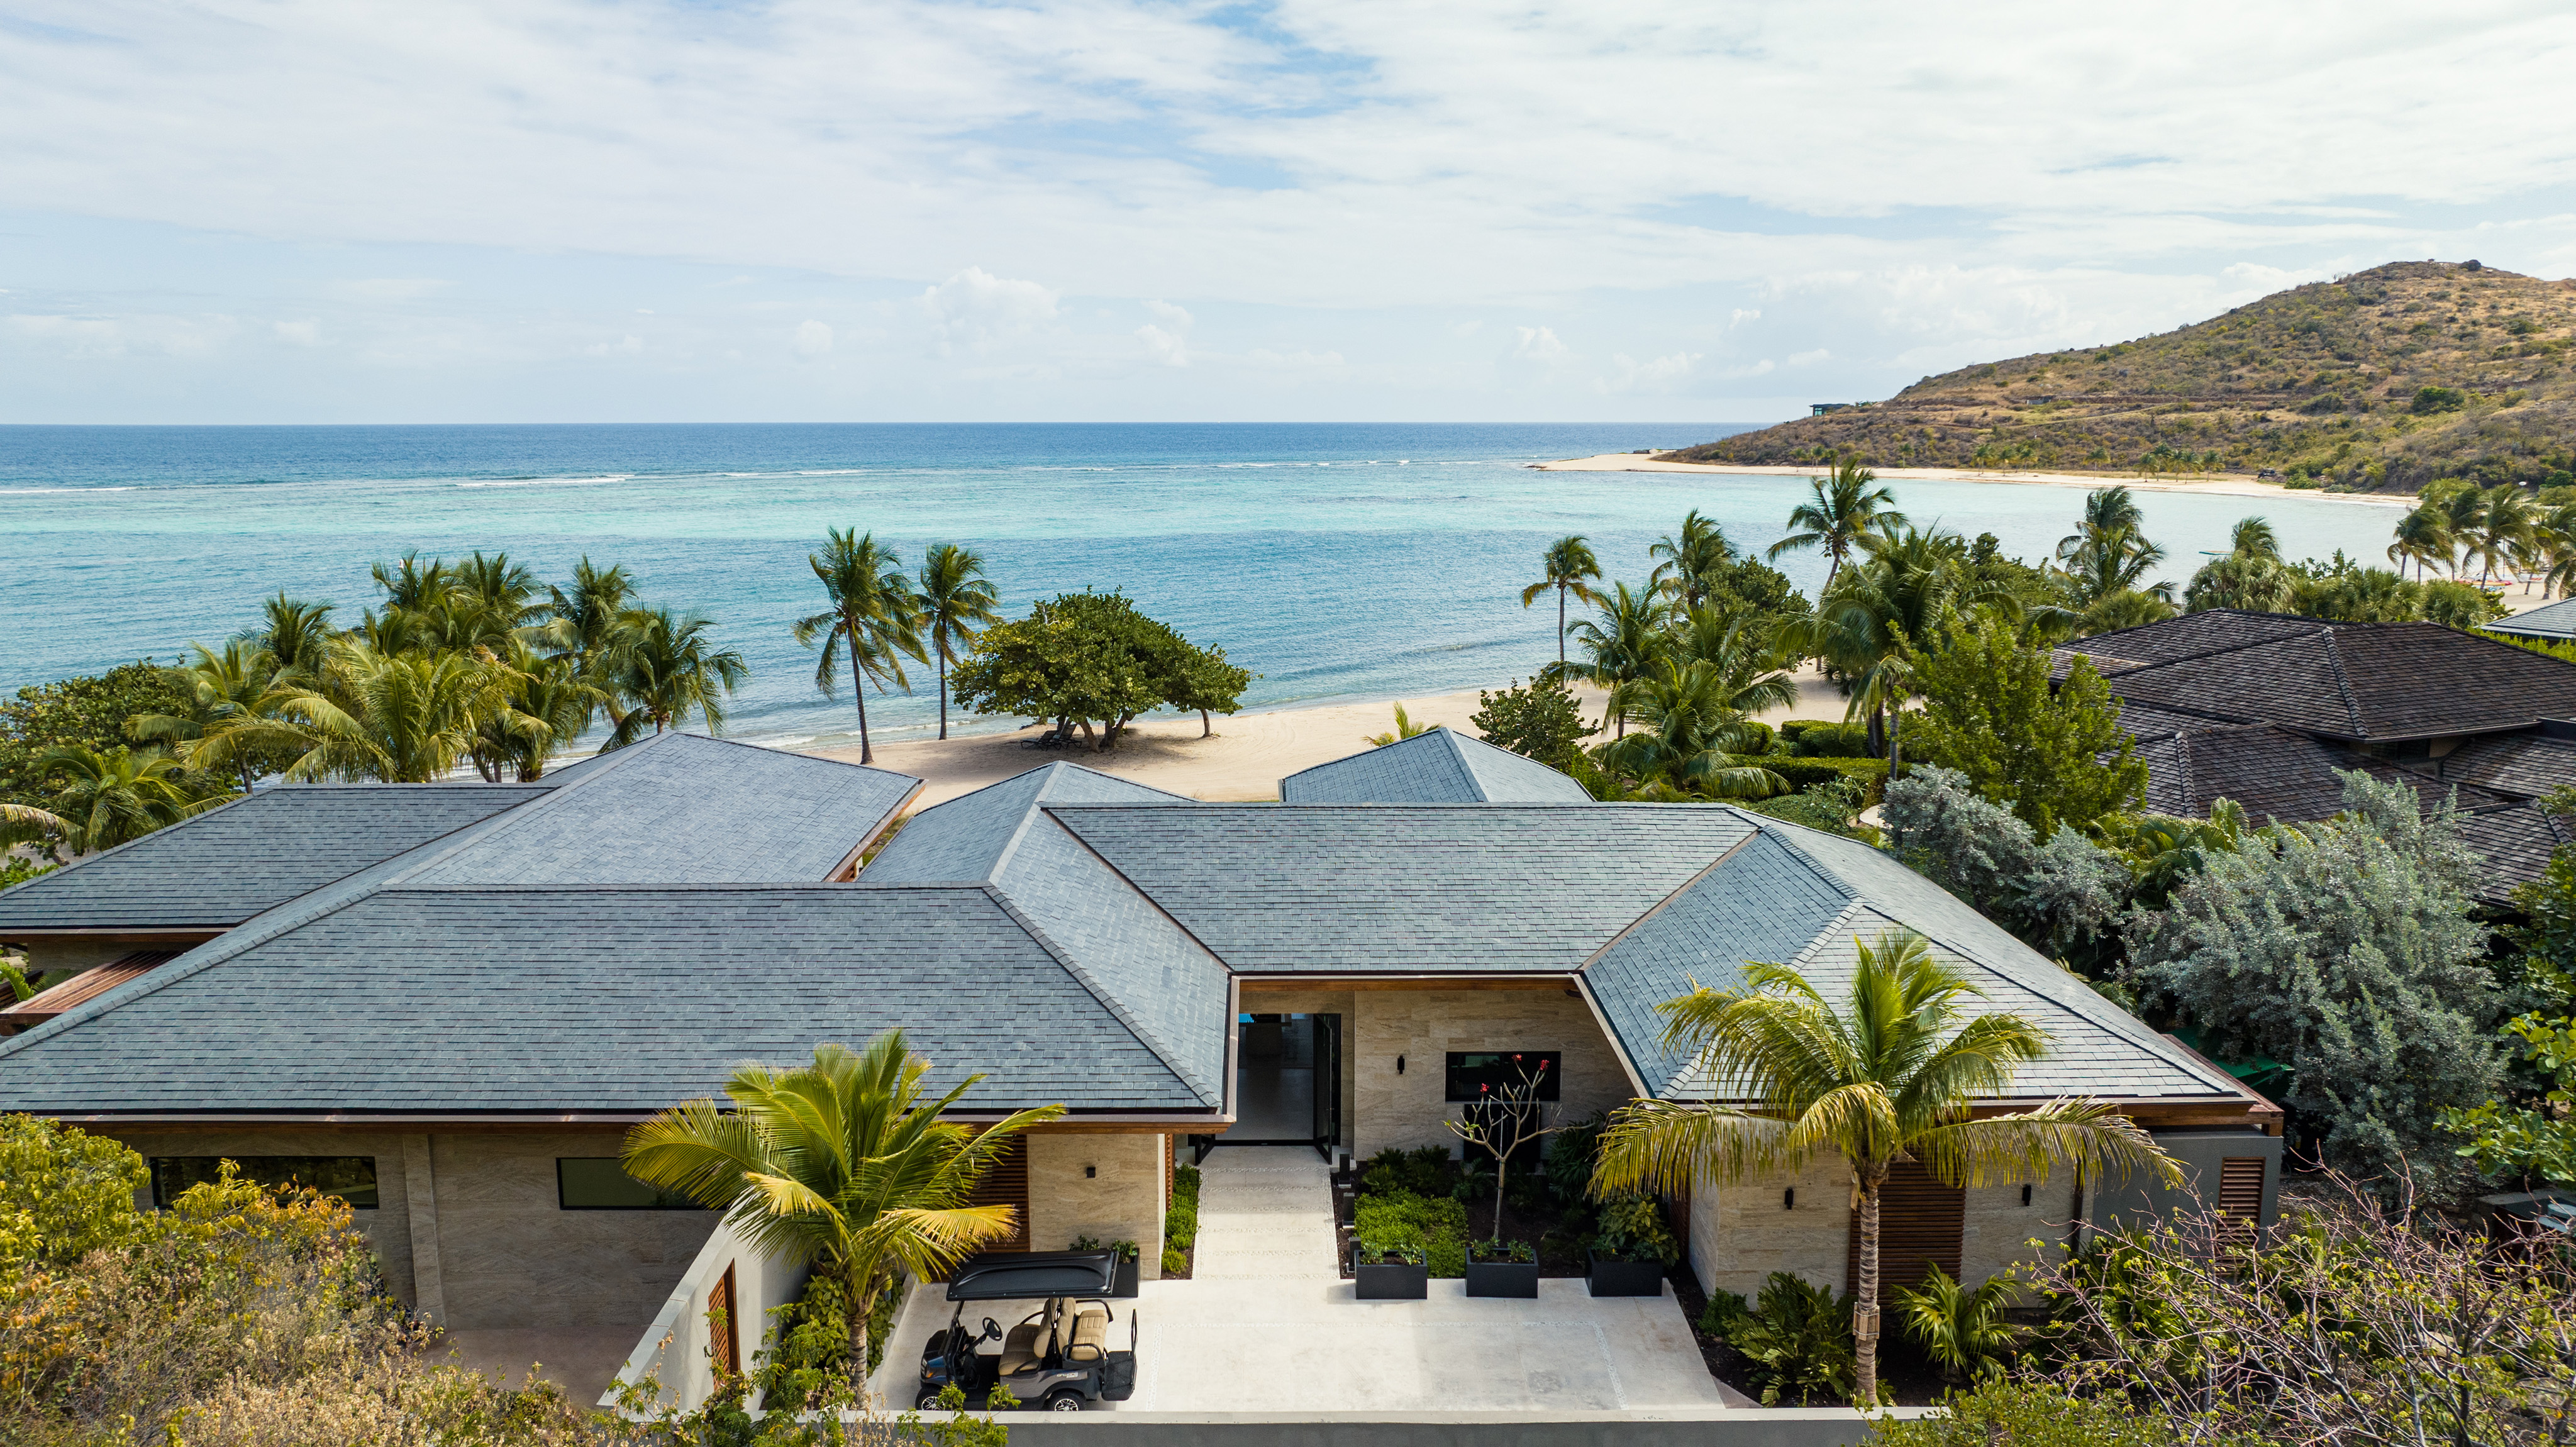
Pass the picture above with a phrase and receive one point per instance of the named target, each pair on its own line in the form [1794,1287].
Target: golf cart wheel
[929,1398]
[1066,1400]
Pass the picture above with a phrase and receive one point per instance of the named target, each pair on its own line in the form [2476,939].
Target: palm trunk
[1560,627]
[1865,1296]
[862,1305]
[859,691]
[943,694]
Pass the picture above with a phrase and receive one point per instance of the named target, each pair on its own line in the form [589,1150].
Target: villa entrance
[1288,1081]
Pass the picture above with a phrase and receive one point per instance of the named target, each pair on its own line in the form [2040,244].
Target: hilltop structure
[450,1002]
[2387,378]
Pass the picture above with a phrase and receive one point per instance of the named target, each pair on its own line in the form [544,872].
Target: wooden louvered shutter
[2240,1191]
[1007,1184]
[1921,1223]
[725,1344]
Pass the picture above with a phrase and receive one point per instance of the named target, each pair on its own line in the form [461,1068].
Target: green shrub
[1435,1226]
[1958,1328]
[1424,1171]
[1174,1263]
[1809,773]
[2439,399]
[1812,738]
[2028,1414]
[1758,737]
[1797,1340]
[63,1193]
[1570,1156]
[1633,1229]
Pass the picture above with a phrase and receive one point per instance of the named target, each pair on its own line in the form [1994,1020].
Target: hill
[2382,379]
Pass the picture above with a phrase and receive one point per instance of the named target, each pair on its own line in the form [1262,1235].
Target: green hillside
[2383,379]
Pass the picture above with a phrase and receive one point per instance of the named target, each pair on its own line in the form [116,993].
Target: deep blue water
[1336,561]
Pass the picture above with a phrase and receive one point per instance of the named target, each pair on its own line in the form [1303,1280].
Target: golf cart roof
[1021,1275]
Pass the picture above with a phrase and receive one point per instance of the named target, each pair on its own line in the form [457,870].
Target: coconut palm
[582,622]
[2556,544]
[2252,537]
[1844,510]
[292,631]
[954,601]
[497,595]
[1751,671]
[844,1163]
[1894,595]
[2107,561]
[551,704]
[873,615]
[1621,645]
[108,796]
[1405,728]
[1569,567]
[27,824]
[2423,535]
[2505,529]
[2109,510]
[1691,723]
[663,667]
[2260,585]
[404,718]
[220,687]
[1892,1072]
[1688,566]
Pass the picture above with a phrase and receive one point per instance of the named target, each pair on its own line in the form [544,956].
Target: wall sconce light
[1789,1199]
[2025,1194]
[1092,1173]
[1399,1065]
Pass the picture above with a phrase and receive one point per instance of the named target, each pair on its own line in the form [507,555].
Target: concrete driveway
[1268,1325]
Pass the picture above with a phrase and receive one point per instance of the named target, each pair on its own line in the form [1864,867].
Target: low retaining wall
[1722,1427]
[674,1350]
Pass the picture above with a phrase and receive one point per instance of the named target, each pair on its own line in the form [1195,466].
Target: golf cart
[1059,1356]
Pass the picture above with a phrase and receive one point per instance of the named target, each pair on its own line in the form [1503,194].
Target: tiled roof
[1461,888]
[2275,773]
[228,864]
[2553,621]
[1436,767]
[2525,766]
[2361,681]
[588,998]
[88,985]
[2516,844]
[969,837]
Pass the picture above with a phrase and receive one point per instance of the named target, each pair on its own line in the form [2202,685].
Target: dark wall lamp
[1399,1065]
[1789,1199]
[1091,1173]
[2025,1194]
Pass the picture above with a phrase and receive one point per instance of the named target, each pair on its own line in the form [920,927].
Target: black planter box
[1395,1281]
[1125,1287]
[1502,1278]
[1626,1278]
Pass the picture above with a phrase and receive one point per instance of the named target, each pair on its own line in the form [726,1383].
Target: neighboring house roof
[2355,681]
[2275,773]
[580,998]
[2516,844]
[2555,622]
[969,837]
[89,984]
[1436,767]
[259,851]
[2523,765]
[1439,888]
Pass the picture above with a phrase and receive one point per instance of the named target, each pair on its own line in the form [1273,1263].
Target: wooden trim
[1921,1223]
[1007,1184]
[1267,980]
[725,1346]
[848,869]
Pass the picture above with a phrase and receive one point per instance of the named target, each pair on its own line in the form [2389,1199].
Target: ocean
[1337,562]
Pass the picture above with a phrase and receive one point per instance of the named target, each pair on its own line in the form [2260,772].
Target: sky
[303,211]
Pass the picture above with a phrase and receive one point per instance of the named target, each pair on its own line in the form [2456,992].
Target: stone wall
[1121,1200]
[1423,1026]
[1740,1234]
[472,1230]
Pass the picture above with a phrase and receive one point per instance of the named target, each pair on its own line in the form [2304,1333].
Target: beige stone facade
[1740,1234]
[471,1228]
[1110,1187]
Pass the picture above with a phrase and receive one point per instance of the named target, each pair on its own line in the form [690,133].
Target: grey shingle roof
[589,998]
[968,837]
[2525,766]
[2344,680]
[683,809]
[2516,844]
[2555,622]
[2275,773]
[1451,888]
[230,863]
[1438,767]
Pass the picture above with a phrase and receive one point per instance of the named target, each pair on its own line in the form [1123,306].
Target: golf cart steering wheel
[992,1330]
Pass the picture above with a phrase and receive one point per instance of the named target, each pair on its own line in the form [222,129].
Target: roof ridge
[1108,998]
[2343,685]
[766,749]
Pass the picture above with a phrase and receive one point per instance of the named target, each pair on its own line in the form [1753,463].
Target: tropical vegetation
[1089,663]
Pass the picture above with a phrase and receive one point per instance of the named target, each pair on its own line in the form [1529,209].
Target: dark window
[351,1178]
[598,1183]
[1484,1076]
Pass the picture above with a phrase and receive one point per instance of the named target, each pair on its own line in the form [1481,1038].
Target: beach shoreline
[2216,485]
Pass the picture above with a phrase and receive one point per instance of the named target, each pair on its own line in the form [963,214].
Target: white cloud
[1538,344]
[629,345]
[1661,375]
[1741,315]
[976,311]
[1808,359]
[302,334]
[1167,337]
[811,339]
[388,288]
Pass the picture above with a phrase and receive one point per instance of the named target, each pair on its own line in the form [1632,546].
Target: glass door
[1328,1083]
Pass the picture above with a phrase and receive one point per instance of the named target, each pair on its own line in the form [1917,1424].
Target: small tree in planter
[1505,1122]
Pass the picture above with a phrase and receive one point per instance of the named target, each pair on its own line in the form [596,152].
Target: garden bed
[1904,1372]
[1561,1232]
[1181,1225]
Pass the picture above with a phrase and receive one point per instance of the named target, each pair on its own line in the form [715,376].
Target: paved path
[1265,1213]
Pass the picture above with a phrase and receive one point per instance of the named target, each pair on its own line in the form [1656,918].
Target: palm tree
[2503,530]
[404,718]
[582,623]
[1687,566]
[664,667]
[220,687]
[292,631]
[27,824]
[497,596]
[1567,564]
[2106,511]
[2555,540]
[551,704]
[873,615]
[110,796]
[1405,728]
[1893,1073]
[2252,537]
[2423,535]
[1623,643]
[1844,510]
[1691,722]
[1896,594]
[2109,561]
[1751,672]
[842,1163]
[954,601]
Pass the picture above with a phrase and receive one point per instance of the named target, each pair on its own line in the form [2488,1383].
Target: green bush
[1758,738]
[1570,1156]
[1812,738]
[1633,1229]
[1400,1221]
[1174,1263]
[1424,1171]
[2439,399]
[1181,1218]
[1958,1328]
[2028,1414]
[1809,773]
[1796,1338]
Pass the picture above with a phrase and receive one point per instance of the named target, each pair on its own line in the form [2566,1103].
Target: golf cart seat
[1090,1335]
[1021,1350]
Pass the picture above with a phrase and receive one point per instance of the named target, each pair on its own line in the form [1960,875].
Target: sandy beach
[1245,759]
[2217,484]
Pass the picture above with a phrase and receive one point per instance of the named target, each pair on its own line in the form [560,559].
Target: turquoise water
[1336,561]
